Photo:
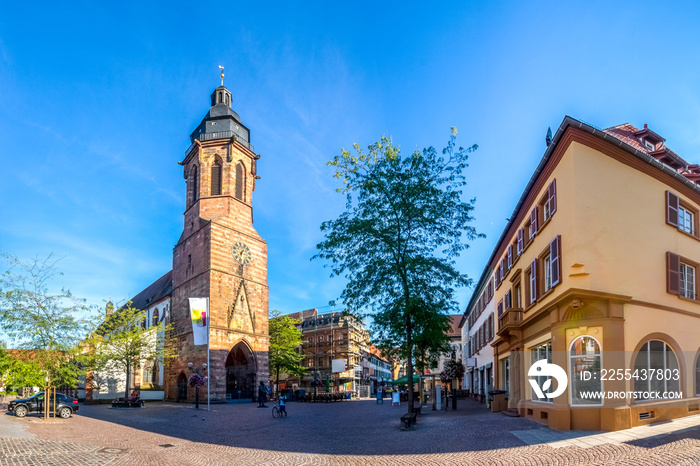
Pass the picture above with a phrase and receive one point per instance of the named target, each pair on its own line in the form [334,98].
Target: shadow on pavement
[358,427]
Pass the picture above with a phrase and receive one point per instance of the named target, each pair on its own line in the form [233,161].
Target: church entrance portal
[182,387]
[240,373]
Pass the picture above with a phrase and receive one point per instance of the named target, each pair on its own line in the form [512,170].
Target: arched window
[584,369]
[227,99]
[697,377]
[240,182]
[155,317]
[193,182]
[656,356]
[216,179]
[220,99]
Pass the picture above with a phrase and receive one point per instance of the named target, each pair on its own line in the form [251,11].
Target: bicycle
[276,411]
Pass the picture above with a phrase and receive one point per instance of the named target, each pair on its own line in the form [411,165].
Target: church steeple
[221,122]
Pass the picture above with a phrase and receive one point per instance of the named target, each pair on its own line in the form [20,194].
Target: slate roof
[156,291]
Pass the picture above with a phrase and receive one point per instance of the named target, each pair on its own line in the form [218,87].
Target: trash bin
[498,401]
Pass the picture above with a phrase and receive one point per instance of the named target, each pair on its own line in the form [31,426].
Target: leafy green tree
[46,322]
[397,240]
[285,340]
[123,343]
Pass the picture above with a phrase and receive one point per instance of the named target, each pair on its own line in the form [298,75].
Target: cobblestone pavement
[344,433]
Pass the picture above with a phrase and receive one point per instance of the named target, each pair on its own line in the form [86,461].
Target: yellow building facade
[596,272]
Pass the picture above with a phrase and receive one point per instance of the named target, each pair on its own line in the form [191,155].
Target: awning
[404,380]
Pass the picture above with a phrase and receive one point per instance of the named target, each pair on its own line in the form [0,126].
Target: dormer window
[649,145]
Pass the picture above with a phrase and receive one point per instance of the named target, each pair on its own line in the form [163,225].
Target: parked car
[65,405]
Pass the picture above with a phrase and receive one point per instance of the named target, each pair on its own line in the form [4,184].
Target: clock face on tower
[241,253]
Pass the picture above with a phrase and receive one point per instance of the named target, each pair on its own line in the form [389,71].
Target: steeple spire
[222,74]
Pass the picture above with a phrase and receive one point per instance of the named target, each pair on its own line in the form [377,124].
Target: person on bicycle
[283,405]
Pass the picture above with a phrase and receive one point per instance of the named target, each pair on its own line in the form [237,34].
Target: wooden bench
[127,403]
[408,419]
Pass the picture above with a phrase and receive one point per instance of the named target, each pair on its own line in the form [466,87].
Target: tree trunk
[277,381]
[126,389]
[409,362]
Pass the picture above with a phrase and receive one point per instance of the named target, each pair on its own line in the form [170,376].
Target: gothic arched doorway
[240,373]
[182,387]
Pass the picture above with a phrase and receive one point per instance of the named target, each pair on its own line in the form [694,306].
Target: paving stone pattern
[345,433]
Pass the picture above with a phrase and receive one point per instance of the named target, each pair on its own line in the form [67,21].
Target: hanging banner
[199,310]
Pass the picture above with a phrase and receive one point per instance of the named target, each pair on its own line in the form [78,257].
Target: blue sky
[97,102]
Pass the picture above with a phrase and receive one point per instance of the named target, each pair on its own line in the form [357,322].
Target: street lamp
[196,382]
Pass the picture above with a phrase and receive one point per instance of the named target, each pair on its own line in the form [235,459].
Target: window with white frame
[585,356]
[686,220]
[537,353]
[687,283]
[547,273]
[656,356]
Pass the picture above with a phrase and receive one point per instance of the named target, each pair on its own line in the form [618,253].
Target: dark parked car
[65,405]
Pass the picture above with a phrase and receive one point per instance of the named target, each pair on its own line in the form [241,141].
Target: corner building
[598,269]
[222,257]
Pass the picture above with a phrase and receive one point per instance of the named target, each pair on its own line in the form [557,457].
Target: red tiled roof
[632,137]
[454,324]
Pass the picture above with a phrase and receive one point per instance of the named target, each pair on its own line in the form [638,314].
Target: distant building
[328,337]
[478,331]
[455,353]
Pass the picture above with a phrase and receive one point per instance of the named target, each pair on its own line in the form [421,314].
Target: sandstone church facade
[219,256]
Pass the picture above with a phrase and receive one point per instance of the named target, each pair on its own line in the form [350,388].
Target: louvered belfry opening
[194,185]
[240,181]
[216,179]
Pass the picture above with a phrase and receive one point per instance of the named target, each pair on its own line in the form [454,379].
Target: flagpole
[208,366]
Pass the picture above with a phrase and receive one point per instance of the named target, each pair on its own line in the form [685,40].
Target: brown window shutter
[555,260]
[510,257]
[671,209]
[521,242]
[673,273]
[552,193]
[533,220]
[500,308]
[533,280]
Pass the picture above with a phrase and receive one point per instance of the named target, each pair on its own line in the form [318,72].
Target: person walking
[262,395]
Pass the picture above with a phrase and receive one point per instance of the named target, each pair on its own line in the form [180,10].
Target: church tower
[222,257]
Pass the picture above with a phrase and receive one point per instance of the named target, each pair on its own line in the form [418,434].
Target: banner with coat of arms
[199,311]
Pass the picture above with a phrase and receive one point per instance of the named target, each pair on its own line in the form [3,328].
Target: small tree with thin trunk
[45,321]
[285,340]
[124,343]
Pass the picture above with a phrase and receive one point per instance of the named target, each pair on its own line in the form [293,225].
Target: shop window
[697,377]
[537,353]
[585,357]
[656,356]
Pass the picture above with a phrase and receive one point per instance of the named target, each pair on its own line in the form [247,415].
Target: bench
[127,403]
[408,419]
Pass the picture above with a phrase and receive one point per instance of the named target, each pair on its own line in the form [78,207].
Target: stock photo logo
[544,371]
